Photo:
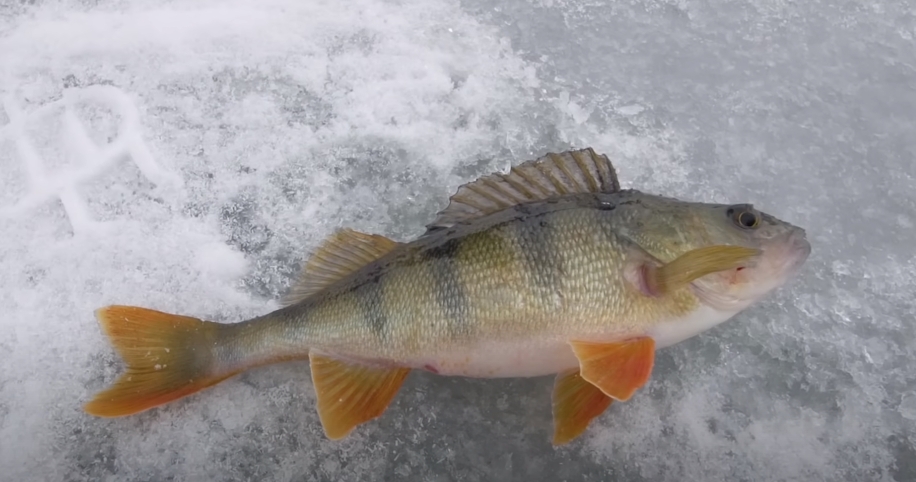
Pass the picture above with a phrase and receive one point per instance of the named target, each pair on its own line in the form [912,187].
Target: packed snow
[187,156]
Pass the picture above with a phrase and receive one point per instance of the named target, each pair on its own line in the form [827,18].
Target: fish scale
[550,269]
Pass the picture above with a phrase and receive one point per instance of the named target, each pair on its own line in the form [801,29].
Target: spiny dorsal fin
[339,255]
[569,172]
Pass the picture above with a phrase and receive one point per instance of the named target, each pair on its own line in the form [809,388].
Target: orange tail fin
[168,357]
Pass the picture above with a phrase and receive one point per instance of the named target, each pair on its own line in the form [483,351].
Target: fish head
[783,248]
[667,228]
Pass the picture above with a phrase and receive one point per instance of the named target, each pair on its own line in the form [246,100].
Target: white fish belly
[509,359]
[495,359]
[675,331]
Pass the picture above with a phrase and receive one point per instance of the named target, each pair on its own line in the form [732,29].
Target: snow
[185,156]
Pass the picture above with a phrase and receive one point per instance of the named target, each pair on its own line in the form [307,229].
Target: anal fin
[351,394]
[575,403]
[618,369]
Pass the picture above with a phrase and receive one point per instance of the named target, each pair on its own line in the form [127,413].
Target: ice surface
[186,156]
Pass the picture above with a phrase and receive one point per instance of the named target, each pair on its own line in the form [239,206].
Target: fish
[550,269]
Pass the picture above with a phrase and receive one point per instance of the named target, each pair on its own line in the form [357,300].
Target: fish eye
[743,216]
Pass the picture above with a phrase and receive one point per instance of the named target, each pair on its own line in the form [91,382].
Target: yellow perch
[549,269]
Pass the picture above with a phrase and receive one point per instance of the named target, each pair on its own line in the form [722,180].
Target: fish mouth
[781,257]
[797,251]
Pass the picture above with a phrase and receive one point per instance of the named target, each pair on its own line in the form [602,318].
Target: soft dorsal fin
[339,255]
[569,172]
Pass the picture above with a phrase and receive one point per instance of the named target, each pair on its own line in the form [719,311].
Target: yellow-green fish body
[550,269]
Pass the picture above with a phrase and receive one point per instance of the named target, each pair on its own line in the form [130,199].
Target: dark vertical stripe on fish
[450,293]
[542,260]
[371,302]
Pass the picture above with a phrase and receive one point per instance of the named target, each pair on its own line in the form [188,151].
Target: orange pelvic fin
[618,369]
[575,403]
[168,357]
[351,394]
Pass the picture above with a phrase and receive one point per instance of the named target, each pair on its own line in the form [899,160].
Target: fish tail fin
[168,357]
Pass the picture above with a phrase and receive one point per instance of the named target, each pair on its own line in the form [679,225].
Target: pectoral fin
[690,266]
[575,403]
[618,369]
[351,394]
